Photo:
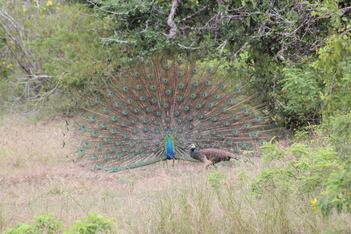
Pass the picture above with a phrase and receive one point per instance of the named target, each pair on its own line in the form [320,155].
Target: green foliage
[332,10]
[338,191]
[94,224]
[46,223]
[300,96]
[57,59]
[320,165]
[53,57]
[216,179]
[334,65]
[270,35]
[70,52]
[307,169]
[144,27]
[339,130]
[43,224]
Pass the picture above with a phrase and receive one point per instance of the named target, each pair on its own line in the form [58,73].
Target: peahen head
[192,147]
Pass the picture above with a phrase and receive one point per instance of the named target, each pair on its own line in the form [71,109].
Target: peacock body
[153,111]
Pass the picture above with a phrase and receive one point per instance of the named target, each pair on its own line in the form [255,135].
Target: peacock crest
[153,111]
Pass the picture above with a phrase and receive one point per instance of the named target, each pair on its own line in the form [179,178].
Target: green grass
[36,178]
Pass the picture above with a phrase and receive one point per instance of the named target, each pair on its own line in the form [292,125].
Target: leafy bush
[334,66]
[46,223]
[94,224]
[300,96]
[42,224]
[307,169]
[215,178]
[319,166]
[53,50]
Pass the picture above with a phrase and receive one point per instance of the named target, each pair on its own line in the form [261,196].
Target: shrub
[46,223]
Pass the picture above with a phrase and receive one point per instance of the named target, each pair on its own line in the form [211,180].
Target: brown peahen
[211,156]
[153,111]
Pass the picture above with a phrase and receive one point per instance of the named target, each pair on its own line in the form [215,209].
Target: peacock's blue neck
[170,147]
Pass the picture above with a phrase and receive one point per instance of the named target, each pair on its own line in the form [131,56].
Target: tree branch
[192,15]
[170,21]
[116,40]
[111,12]
[188,48]
[201,28]
[345,11]
[240,49]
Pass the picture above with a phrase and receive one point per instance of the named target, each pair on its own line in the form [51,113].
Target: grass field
[38,177]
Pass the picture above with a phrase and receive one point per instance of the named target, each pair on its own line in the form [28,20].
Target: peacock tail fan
[153,111]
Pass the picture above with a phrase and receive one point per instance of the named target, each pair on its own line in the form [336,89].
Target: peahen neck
[194,154]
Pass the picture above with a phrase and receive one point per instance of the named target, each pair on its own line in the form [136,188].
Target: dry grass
[36,178]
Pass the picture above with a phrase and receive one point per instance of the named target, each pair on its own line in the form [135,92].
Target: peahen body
[211,156]
[153,111]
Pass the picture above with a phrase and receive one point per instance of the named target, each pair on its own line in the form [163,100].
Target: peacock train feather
[152,112]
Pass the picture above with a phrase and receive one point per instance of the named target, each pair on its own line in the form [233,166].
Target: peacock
[153,111]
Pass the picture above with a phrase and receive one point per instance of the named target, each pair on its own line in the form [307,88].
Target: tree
[258,38]
[48,55]
[285,29]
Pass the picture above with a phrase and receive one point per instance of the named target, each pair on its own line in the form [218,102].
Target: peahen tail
[152,112]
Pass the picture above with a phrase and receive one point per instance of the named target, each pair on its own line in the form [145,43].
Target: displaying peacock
[154,111]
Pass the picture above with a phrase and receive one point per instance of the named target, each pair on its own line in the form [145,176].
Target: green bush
[94,224]
[53,58]
[215,178]
[46,223]
[300,96]
[42,224]
[318,166]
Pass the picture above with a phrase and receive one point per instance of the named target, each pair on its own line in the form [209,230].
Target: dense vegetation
[294,53]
